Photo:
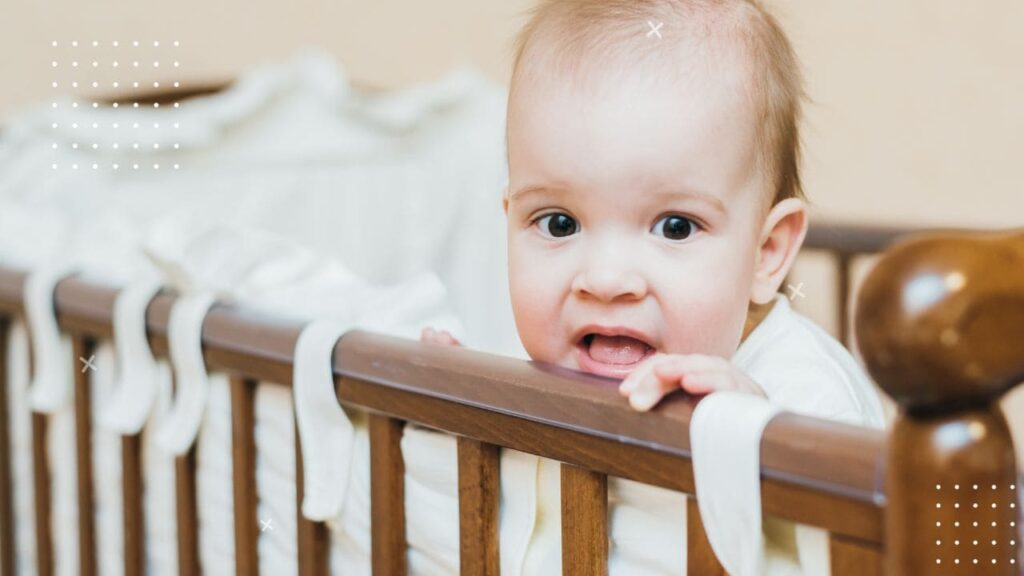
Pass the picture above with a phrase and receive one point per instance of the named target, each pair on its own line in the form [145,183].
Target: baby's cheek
[705,322]
[536,312]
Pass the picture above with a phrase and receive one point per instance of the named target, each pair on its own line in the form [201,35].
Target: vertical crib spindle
[188,522]
[6,493]
[134,525]
[41,491]
[700,557]
[82,351]
[387,496]
[844,261]
[313,545]
[243,450]
[479,490]
[850,557]
[584,522]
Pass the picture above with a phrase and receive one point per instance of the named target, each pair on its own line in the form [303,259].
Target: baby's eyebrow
[530,190]
[710,200]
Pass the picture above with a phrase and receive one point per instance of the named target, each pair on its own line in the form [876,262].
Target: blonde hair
[575,33]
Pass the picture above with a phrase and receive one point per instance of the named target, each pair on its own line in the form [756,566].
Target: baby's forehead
[580,47]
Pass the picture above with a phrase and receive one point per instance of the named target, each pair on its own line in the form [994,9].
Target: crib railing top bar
[816,453]
[835,462]
[845,238]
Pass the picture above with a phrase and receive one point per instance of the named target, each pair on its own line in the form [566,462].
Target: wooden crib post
[940,322]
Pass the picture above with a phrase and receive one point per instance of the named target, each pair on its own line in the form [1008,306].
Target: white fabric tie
[51,374]
[135,390]
[192,387]
[325,432]
[725,439]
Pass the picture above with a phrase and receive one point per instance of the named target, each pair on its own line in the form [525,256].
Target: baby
[654,204]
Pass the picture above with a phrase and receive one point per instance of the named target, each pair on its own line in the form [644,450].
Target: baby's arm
[695,373]
[432,336]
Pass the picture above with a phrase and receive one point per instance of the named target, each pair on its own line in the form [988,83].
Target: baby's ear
[781,238]
[504,200]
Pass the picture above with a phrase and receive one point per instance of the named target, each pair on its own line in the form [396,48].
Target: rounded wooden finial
[940,319]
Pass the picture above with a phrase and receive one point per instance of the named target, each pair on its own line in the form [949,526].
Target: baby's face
[634,219]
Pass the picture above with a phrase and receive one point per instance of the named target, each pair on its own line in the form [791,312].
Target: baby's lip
[585,331]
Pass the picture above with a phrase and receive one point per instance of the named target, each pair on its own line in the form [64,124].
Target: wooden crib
[876,495]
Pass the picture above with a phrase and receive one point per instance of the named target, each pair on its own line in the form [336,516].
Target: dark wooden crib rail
[814,472]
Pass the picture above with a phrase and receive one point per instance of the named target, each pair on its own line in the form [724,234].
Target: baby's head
[654,188]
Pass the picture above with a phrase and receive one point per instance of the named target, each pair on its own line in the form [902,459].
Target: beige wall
[918,112]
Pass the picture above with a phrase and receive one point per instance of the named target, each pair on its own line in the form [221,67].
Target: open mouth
[612,356]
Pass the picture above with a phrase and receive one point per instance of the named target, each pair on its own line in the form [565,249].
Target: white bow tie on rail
[51,357]
[326,434]
[725,441]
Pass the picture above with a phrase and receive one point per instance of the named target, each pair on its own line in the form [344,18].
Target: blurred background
[915,119]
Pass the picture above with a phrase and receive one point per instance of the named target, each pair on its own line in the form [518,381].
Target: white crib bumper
[325,432]
[725,439]
[131,402]
[192,387]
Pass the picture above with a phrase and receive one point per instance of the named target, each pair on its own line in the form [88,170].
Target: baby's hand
[695,373]
[432,336]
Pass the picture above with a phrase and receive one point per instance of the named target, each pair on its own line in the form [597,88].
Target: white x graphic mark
[266,524]
[88,363]
[655,29]
[797,291]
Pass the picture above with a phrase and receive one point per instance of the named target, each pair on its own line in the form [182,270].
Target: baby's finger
[448,339]
[649,391]
[676,367]
[640,373]
[706,382]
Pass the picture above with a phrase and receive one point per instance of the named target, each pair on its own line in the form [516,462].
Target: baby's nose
[610,283]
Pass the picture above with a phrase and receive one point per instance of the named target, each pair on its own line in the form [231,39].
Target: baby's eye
[675,227]
[557,224]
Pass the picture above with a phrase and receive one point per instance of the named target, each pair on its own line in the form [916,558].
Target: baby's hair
[573,31]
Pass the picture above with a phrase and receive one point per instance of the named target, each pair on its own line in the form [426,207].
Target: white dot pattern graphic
[973,532]
[95,57]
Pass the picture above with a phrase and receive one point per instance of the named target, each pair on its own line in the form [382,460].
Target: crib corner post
[940,322]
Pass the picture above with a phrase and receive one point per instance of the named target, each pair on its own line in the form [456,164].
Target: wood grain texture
[850,557]
[243,460]
[7,556]
[187,517]
[84,348]
[313,544]
[479,494]
[700,557]
[584,522]
[41,492]
[387,496]
[133,507]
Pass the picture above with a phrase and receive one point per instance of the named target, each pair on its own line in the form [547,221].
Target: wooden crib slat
[844,261]
[41,491]
[188,521]
[83,348]
[243,456]
[584,521]
[700,557]
[387,496]
[851,557]
[133,512]
[6,484]
[479,491]
[313,546]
